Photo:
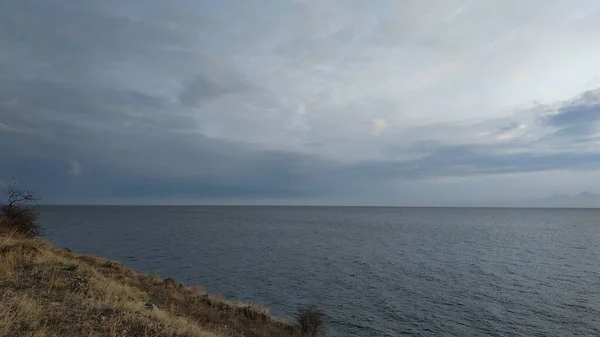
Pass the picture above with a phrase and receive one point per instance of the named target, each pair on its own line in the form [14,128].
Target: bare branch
[19,196]
[19,210]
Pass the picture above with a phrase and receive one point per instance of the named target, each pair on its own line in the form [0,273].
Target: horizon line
[324,206]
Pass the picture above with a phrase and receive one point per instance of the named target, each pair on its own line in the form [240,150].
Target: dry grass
[45,291]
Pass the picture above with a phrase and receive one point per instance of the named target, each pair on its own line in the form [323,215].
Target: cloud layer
[340,102]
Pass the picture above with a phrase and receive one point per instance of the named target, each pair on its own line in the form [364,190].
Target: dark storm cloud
[138,164]
[127,142]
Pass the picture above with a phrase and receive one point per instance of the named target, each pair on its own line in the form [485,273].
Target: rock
[150,306]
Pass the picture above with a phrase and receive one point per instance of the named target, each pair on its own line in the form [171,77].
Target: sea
[374,271]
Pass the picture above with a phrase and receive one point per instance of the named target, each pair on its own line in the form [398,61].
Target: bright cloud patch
[74,168]
[378,125]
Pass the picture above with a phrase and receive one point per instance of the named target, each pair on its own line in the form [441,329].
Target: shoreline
[47,291]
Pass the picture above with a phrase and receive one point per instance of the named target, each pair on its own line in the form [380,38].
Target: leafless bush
[18,214]
[312,322]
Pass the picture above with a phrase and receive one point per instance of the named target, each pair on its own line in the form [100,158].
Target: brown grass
[45,291]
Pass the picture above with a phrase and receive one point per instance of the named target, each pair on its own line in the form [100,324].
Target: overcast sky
[441,102]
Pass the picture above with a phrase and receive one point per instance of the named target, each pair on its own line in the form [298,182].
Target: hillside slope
[45,291]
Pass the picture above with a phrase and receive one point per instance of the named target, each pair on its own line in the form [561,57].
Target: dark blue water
[373,271]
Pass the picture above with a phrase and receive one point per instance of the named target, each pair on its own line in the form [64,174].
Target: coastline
[47,291]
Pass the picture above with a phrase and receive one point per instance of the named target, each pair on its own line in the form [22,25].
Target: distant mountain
[583,199]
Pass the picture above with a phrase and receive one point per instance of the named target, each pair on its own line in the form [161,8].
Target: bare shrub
[18,214]
[312,322]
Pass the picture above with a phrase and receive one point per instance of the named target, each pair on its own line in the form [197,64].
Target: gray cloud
[579,117]
[203,101]
[200,89]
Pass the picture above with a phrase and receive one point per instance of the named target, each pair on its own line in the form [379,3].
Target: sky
[333,102]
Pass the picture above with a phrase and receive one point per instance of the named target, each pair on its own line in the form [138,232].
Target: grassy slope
[45,291]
